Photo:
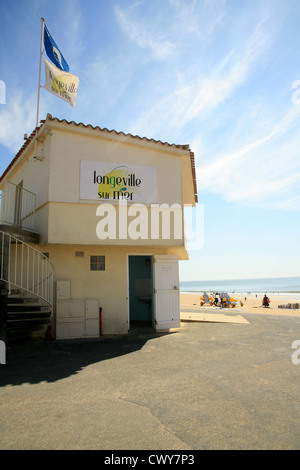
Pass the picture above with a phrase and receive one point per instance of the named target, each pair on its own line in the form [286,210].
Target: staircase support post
[3,311]
[4,255]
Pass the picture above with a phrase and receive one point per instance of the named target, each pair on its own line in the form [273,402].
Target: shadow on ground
[40,360]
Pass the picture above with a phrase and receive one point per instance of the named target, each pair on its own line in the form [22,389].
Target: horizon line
[244,279]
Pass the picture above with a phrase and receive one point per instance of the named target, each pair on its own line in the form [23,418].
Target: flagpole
[39,84]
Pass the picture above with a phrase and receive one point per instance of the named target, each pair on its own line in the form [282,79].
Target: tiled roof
[192,157]
[101,129]
[80,124]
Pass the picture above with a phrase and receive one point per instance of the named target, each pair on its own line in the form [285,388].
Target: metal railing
[18,206]
[25,268]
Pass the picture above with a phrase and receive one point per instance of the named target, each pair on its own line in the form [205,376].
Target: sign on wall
[105,181]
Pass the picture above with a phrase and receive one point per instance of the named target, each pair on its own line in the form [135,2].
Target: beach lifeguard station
[92,226]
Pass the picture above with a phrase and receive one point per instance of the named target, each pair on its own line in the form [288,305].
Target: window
[97,263]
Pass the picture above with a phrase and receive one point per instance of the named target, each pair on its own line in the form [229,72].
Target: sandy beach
[252,303]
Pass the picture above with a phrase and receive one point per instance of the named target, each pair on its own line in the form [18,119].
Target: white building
[106,211]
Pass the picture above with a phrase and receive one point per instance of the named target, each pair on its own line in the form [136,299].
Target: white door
[166,292]
[92,318]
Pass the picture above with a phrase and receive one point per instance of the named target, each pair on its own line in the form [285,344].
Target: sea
[268,285]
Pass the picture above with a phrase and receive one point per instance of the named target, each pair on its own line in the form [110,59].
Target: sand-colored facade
[71,220]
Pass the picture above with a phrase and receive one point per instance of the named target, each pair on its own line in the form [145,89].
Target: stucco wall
[73,220]
[68,149]
[110,287]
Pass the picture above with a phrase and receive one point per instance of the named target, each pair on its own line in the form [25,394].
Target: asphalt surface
[206,386]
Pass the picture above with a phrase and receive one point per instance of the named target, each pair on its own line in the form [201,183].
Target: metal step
[19,316]
[25,315]
[22,311]
[26,323]
[15,308]
[22,300]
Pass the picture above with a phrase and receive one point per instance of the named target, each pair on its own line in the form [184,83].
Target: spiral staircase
[26,276]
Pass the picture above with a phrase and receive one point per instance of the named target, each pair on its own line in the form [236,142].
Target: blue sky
[215,74]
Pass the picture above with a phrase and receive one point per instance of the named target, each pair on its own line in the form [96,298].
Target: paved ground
[207,386]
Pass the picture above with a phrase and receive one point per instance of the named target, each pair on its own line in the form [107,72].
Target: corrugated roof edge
[51,118]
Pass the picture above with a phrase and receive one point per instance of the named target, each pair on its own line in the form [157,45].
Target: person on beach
[266,301]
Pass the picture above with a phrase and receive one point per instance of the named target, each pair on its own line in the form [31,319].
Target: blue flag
[53,51]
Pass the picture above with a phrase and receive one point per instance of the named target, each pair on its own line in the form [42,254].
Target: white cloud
[73,30]
[265,172]
[199,18]
[261,166]
[170,30]
[17,117]
[194,98]
[140,32]
[103,83]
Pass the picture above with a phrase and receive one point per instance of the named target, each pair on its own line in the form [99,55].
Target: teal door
[140,290]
